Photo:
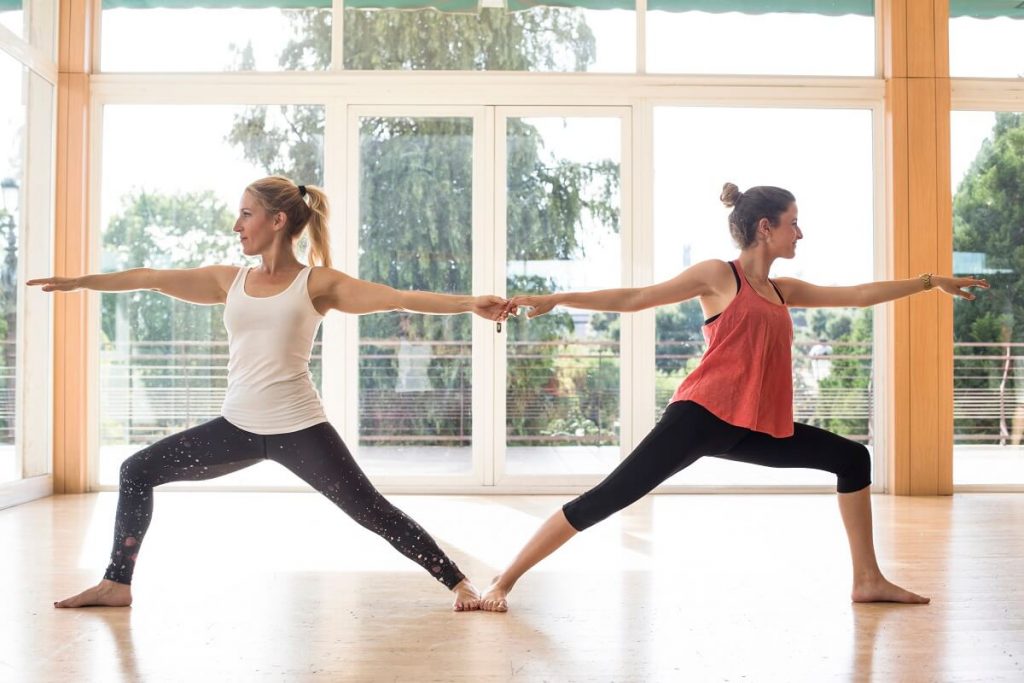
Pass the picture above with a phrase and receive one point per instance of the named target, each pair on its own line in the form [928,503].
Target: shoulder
[791,286]
[717,274]
[224,275]
[323,279]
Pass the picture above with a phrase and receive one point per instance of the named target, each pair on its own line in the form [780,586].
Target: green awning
[982,9]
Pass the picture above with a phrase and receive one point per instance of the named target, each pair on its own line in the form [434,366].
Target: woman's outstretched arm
[802,294]
[698,280]
[330,288]
[206,285]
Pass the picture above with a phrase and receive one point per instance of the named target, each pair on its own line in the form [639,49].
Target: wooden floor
[282,587]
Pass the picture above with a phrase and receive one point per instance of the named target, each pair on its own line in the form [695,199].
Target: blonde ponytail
[319,252]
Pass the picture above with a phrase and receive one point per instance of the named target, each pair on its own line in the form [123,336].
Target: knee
[134,471]
[856,474]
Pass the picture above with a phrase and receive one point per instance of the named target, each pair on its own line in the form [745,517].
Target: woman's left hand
[490,307]
[955,285]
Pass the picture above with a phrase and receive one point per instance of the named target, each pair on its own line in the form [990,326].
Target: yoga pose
[738,403]
[271,409]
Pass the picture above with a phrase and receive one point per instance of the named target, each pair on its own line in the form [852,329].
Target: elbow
[633,302]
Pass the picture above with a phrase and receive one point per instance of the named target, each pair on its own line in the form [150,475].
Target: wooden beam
[920,220]
[72,411]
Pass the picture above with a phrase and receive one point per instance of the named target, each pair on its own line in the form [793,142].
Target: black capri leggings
[687,431]
[317,454]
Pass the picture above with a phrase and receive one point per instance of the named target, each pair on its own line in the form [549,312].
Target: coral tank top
[745,377]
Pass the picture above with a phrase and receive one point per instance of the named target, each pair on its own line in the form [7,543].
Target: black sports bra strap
[735,274]
[781,298]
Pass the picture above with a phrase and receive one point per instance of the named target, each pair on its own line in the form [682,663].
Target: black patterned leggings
[687,432]
[316,454]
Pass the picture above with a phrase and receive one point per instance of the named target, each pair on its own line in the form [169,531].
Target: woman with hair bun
[738,403]
[271,409]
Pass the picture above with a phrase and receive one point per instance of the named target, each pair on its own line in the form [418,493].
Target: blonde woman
[271,409]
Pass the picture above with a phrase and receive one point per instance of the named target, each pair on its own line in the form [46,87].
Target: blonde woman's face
[256,227]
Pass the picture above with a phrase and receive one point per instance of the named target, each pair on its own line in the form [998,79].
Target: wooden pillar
[919,201]
[72,413]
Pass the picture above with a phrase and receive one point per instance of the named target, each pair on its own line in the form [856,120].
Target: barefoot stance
[495,598]
[467,597]
[880,590]
[104,594]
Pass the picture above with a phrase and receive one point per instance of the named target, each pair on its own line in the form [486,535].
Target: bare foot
[467,597]
[878,589]
[495,598]
[105,594]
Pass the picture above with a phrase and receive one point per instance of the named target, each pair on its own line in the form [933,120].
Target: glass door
[415,193]
[560,225]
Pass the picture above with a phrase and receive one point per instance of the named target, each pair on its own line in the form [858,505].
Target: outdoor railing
[557,392]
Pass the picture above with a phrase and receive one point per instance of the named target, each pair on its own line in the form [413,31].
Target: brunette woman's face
[256,227]
[786,234]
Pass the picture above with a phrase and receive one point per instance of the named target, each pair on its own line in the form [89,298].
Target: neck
[757,263]
[279,260]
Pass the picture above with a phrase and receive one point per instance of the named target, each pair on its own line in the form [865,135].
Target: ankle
[863,576]
[502,583]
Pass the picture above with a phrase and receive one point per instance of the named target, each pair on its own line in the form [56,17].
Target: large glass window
[987,165]
[563,233]
[171,182]
[836,37]
[824,157]
[415,229]
[215,35]
[986,39]
[459,35]
[14,88]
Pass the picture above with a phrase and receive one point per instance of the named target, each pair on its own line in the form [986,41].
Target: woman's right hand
[55,284]
[539,304]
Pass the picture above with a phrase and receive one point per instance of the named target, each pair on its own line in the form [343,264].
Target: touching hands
[491,307]
[539,304]
[955,285]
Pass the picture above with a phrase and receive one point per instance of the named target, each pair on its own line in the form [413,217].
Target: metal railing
[557,392]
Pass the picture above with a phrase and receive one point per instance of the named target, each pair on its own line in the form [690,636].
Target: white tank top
[270,339]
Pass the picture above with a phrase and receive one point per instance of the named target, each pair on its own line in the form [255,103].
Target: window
[14,86]
[459,35]
[215,35]
[985,39]
[832,38]
[415,232]
[987,166]
[563,198]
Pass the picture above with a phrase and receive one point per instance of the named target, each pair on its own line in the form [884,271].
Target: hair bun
[730,195]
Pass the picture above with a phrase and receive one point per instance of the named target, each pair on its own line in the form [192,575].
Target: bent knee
[856,473]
